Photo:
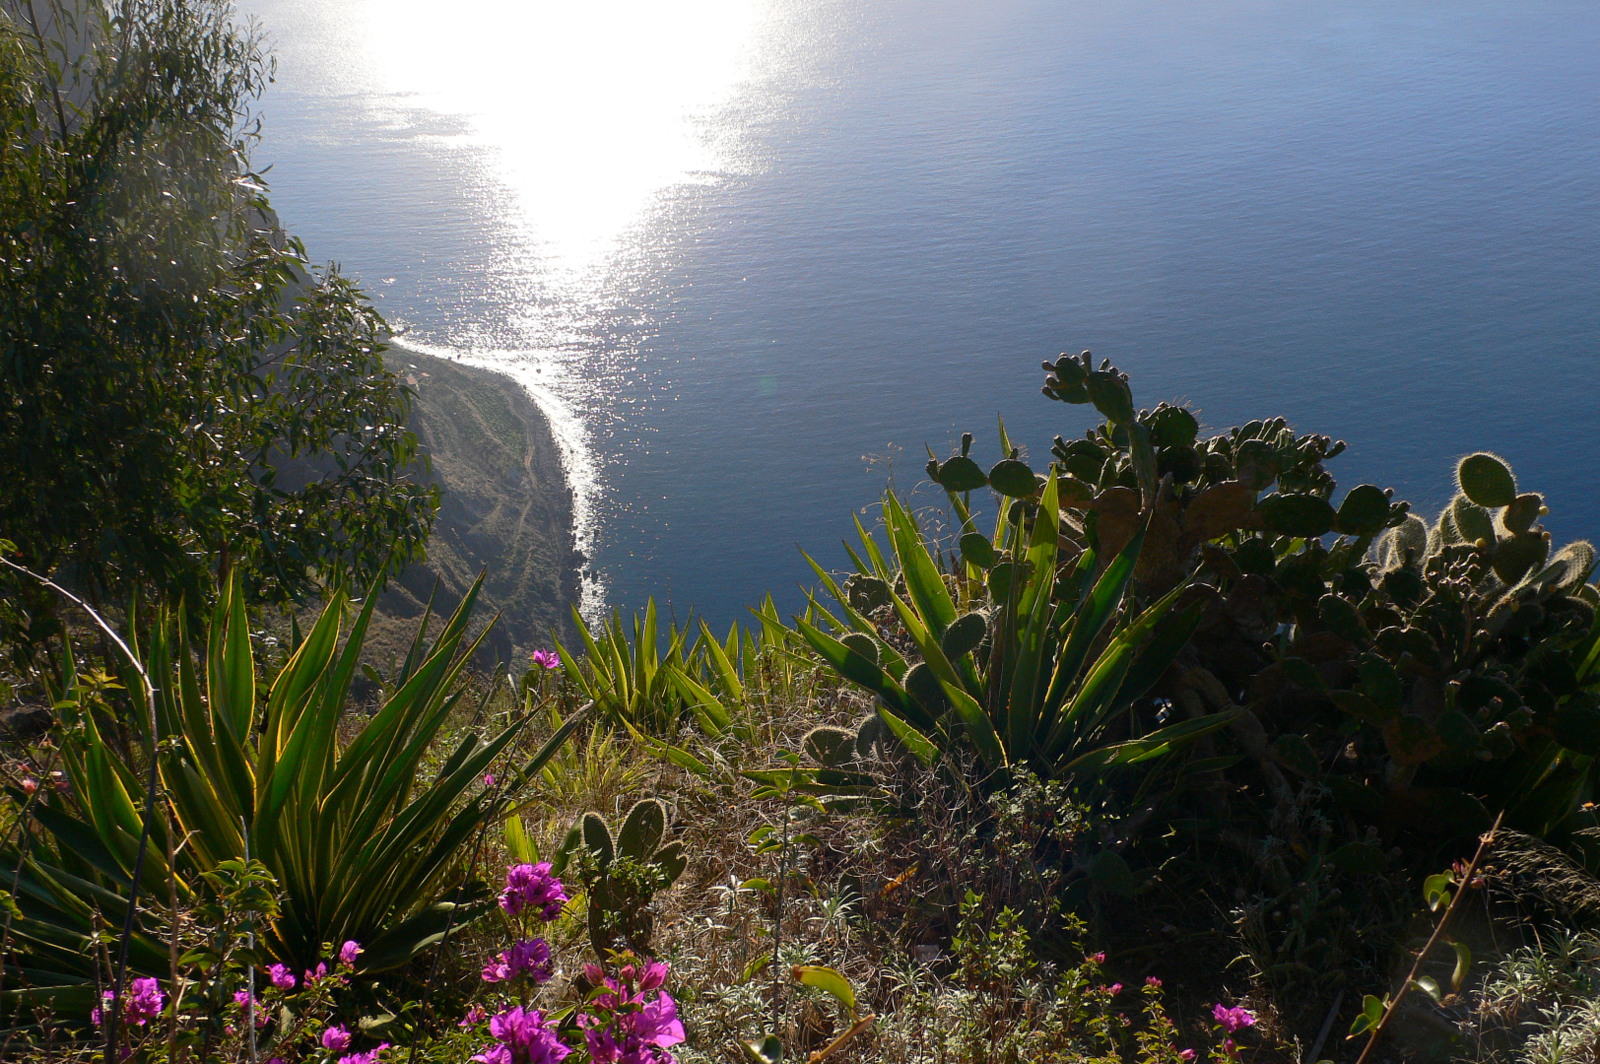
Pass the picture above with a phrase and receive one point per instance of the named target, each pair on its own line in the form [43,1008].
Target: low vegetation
[1163,748]
[1187,756]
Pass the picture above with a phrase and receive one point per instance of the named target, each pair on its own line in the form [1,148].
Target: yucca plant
[363,843]
[1008,652]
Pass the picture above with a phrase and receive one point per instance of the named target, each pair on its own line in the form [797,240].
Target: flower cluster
[524,1036]
[627,1018]
[1232,1019]
[532,886]
[530,957]
[142,1004]
[624,1026]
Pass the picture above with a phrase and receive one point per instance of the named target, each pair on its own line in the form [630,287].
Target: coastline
[506,509]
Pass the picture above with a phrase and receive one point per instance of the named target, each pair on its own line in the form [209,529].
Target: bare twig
[1438,930]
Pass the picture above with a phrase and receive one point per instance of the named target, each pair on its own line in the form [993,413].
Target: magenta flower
[546,659]
[475,1015]
[1151,980]
[369,1057]
[317,974]
[1232,1020]
[654,975]
[143,1003]
[1186,1055]
[349,952]
[622,1027]
[146,1000]
[532,885]
[525,1037]
[248,1004]
[658,1023]
[281,977]
[530,958]
[336,1039]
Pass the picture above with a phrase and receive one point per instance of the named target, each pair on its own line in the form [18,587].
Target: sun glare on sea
[590,109]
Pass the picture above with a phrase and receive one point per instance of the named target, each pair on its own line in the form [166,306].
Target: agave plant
[365,842]
[1009,651]
[629,679]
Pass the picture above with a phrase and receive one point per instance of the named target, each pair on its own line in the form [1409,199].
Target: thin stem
[1438,930]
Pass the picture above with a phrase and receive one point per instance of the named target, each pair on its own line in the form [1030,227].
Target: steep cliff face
[506,509]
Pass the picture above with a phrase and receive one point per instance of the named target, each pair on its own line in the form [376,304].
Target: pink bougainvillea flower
[336,1039]
[533,886]
[369,1057]
[525,1037]
[145,1001]
[1232,1019]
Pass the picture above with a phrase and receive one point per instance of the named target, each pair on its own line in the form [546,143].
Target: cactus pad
[1013,478]
[1486,479]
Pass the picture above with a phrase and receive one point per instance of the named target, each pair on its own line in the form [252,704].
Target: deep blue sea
[754,256]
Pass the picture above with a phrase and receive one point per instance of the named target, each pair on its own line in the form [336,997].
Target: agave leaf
[1031,637]
[708,710]
[231,671]
[721,659]
[1158,743]
[857,669]
[925,584]
[880,564]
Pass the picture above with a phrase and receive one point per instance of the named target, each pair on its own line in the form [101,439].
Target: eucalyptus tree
[180,391]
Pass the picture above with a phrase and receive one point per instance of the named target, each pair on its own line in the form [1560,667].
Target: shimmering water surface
[752,255]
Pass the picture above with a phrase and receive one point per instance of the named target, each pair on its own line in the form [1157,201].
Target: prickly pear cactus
[622,873]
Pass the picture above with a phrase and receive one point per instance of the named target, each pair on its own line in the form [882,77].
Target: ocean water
[755,256]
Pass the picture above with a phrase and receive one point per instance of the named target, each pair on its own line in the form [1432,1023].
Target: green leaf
[1436,890]
[978,551]
[831,982]
[925,584]
[1109,872]
[1359,858]
[921,747]
[1372,1010]
[519,846]
[1458,977]
[1364,512]
[642,829]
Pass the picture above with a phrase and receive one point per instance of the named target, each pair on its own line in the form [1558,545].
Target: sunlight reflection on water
[737,246]
[557,127]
